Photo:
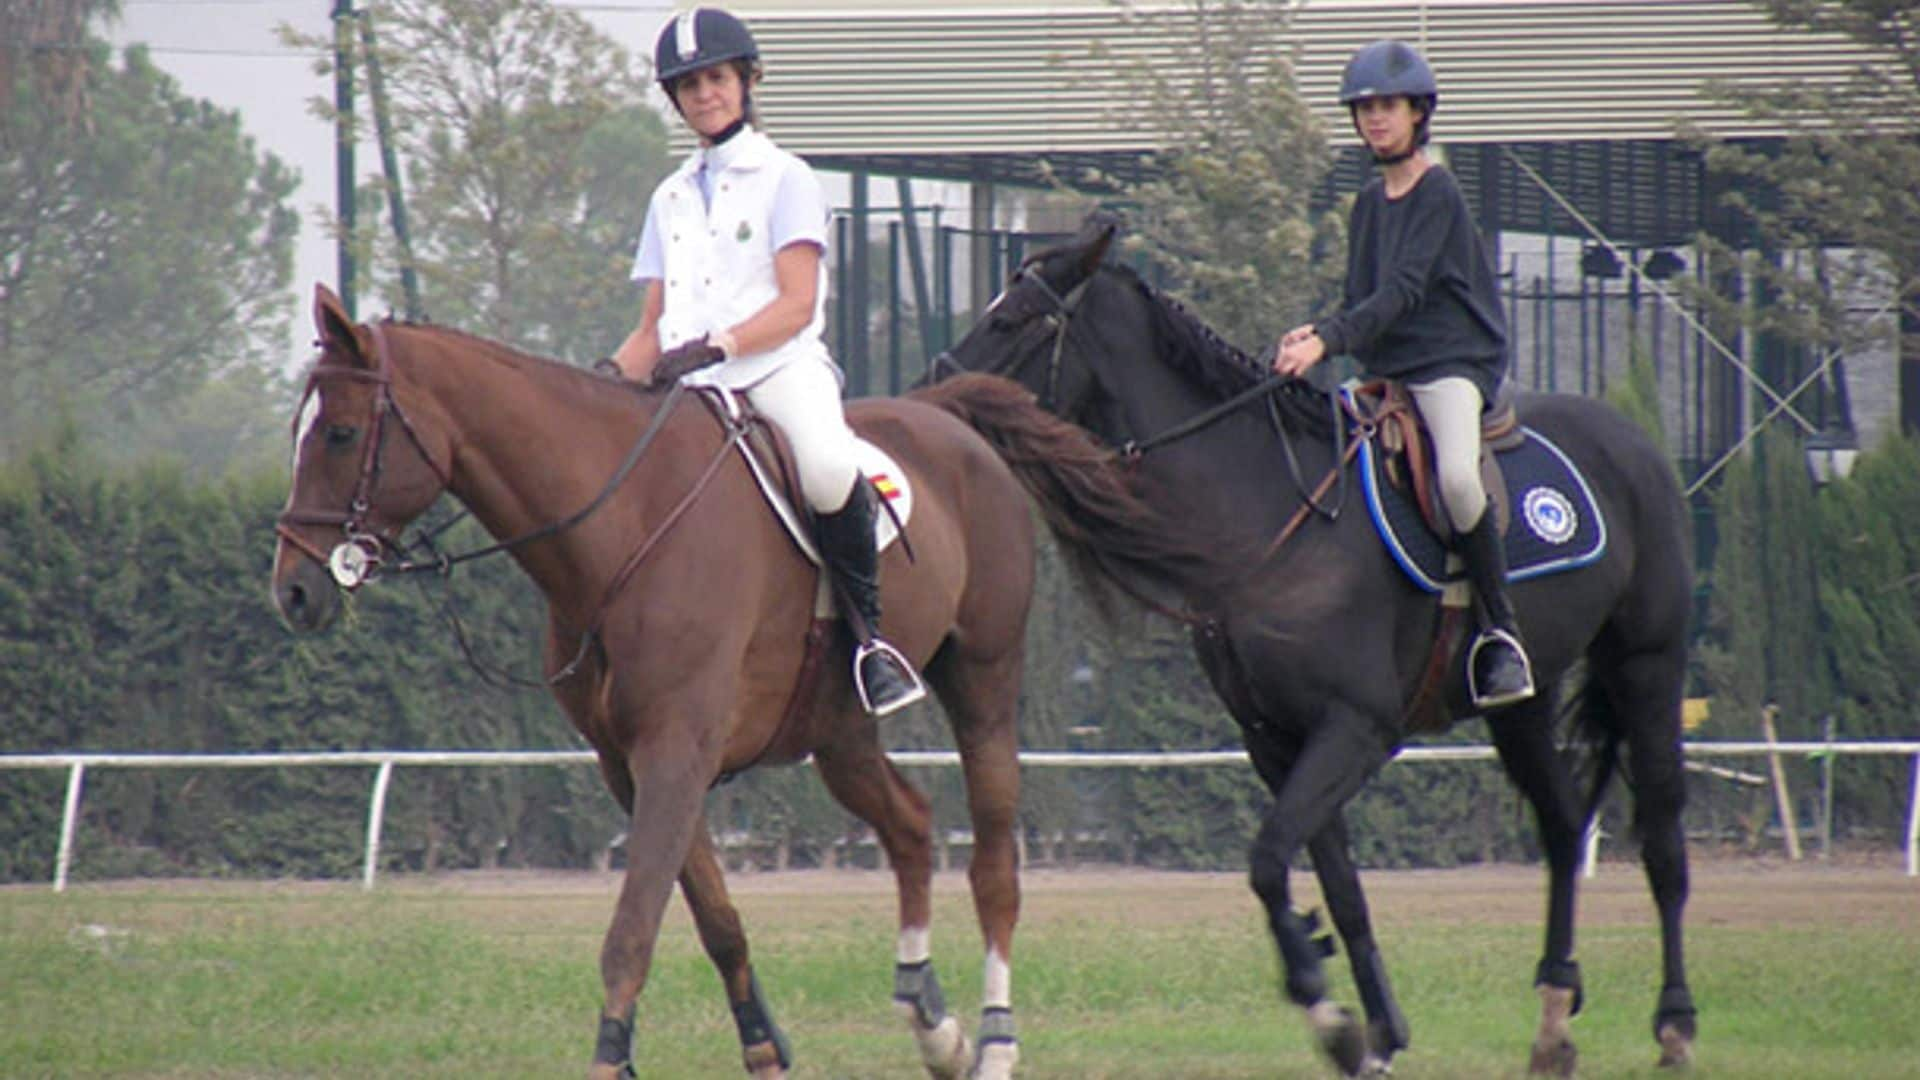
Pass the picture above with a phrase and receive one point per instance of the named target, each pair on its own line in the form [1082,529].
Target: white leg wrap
[996,982]
[915,944]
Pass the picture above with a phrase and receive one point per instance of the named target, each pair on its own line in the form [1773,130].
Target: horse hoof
[1676,1049]
[944,1048]
[1557,1059]
[602,1071]
[1342,1037]
[996,1061]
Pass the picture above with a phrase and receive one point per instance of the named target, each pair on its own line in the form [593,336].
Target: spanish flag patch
[884,484]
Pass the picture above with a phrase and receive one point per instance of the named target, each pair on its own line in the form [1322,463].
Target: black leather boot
[884,678]
[1498,671]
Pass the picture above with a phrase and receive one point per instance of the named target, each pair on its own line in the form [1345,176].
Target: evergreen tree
[529,151]
[1226,214]
[1831,213]
[144,256]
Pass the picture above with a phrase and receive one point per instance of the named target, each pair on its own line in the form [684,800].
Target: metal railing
[385,761]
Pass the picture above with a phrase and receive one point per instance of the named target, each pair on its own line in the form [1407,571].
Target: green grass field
[1798,972]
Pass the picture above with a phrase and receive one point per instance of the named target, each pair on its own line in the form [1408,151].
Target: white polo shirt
[712,229]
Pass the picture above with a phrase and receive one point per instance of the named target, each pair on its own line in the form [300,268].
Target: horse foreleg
[866,783]
[1309,789]
[764,1047]
[1387,1031]
[1523,735]
[666,807]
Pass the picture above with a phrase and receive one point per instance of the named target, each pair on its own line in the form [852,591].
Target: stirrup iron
[1488,637]
[916,690]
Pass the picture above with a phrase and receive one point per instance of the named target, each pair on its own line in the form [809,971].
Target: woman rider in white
[731,263]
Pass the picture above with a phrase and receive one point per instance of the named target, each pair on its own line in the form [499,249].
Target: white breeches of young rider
[1451,408]
[802,399]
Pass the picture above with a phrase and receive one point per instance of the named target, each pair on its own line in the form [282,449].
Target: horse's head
[362,469]
[1023,334]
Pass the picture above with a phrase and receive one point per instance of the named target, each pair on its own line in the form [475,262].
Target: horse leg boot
[884,678]
[1498,671]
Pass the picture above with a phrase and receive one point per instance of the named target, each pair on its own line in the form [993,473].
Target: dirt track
[1743,892]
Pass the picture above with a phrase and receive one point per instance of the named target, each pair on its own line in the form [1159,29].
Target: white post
[1913,823]
[1593,846]
[70,821]
[376,812]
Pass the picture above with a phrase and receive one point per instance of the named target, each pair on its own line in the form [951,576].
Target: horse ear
[334,325]
[1097,231]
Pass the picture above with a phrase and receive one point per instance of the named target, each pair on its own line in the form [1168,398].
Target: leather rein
[1061,319]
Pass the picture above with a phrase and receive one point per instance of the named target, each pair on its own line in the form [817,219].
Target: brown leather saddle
[1406,452]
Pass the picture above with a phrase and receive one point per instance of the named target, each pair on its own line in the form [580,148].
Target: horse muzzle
[305,592]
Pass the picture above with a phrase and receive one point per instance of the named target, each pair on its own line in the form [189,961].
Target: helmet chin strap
[730,130]
[1394,159]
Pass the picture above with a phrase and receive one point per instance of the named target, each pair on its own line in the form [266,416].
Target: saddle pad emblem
[1550,515]
[1564,529]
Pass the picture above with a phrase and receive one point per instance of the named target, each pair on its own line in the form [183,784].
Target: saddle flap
[769,459]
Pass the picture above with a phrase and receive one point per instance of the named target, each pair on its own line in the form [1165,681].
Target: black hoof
[1345,1044]
[1387,1038]
[1557,1060]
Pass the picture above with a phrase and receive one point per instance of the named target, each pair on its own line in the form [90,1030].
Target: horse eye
[339,435]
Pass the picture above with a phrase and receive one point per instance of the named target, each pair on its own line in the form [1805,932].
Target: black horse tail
[1595,738]
[1111,537]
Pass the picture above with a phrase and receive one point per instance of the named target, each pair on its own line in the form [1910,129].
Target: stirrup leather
[916,690]
[1486,638]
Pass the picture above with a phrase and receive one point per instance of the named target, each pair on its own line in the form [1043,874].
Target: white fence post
[69,821]
[1913,823]
[376,812]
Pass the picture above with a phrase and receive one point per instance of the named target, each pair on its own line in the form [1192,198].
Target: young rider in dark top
[1421,308]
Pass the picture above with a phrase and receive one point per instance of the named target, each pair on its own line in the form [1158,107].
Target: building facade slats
[1022,78]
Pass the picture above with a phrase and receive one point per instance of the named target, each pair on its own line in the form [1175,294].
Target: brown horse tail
[1111,537]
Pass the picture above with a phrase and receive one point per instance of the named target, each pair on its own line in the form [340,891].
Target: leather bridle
[365,546]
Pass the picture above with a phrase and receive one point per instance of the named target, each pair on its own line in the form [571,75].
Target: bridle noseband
[365,546]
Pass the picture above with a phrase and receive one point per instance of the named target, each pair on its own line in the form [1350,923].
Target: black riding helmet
[1389,68]
[699,39]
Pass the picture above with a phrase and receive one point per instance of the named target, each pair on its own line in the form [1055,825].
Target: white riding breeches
[1451,408]
[802,399]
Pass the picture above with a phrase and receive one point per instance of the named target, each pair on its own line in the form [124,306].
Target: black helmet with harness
[699,39]
[1389,68]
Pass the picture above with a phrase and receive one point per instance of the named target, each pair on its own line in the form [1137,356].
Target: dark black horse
[1321,644]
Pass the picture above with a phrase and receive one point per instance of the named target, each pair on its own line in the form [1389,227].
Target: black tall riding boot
[884,678]
[1498,671]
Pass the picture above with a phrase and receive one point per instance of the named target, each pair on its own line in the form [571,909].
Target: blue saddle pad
[1553,522]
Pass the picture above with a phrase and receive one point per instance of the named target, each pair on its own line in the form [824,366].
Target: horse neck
[1232,471]
[529,447]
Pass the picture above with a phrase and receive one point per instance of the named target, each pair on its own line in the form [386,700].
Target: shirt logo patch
[744,233]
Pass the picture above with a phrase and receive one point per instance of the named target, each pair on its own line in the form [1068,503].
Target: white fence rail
[385,761]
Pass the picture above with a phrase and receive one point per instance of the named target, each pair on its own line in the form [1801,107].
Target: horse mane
[514,357]
[1212,364]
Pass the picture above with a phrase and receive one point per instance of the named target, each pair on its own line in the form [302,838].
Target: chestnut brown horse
[680,614]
